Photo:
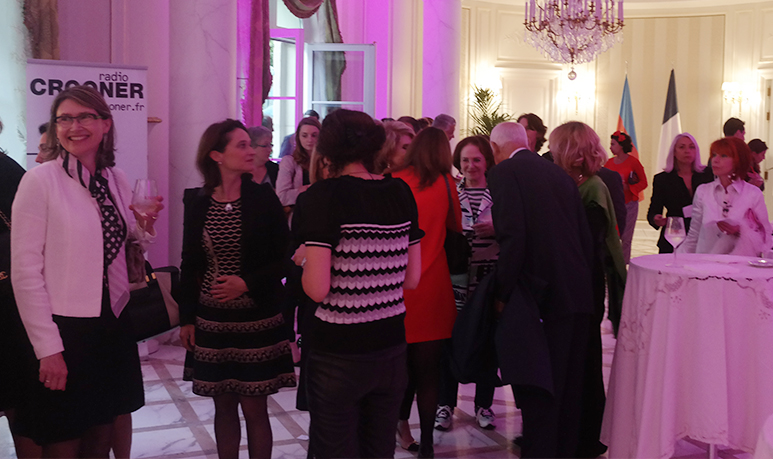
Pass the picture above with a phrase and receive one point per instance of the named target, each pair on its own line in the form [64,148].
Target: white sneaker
[485,418]
[443,417]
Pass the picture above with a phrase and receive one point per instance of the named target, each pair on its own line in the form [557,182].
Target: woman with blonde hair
[430,308]
[577,150]
[398,137]
[675,187]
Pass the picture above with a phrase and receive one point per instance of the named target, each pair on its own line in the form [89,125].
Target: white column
[202,91]
[441,55]
[141,37]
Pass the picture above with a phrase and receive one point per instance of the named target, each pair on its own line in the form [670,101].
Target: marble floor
[174,423]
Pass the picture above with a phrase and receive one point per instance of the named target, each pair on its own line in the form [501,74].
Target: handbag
[458,250]
[152,307]
[135,260]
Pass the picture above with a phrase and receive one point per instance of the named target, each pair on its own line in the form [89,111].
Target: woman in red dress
[430,308]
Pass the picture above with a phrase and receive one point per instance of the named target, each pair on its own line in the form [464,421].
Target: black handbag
[458,250]
[152,308]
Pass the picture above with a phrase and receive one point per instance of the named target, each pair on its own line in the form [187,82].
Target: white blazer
[57,251]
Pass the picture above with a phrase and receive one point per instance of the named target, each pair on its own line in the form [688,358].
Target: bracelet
[303,262]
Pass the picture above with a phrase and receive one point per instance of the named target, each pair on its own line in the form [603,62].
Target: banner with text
[124,90]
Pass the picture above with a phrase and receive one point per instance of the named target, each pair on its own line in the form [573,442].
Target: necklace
[229,207]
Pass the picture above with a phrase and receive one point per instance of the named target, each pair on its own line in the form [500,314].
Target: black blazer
[614,184]
[264,241]
[669,191]
[543,270]
[272,170]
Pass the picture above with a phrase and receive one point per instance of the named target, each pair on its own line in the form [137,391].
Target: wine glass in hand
[145,199]
[675,234]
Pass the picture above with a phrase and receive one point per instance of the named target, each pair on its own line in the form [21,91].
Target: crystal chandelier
[573,31]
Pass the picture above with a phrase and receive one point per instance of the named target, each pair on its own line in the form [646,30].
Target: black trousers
[354,402]
[551,422]
[449,387]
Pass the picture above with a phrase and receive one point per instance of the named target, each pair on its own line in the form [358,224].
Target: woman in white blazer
[71,220]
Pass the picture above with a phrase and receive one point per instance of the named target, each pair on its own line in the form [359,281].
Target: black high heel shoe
[426,450]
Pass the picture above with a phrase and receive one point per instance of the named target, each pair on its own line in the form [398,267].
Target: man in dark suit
[543,291]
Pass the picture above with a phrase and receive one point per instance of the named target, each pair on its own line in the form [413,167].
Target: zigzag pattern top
[222,242]
[367,274]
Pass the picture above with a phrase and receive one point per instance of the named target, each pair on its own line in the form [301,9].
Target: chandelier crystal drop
[573,31]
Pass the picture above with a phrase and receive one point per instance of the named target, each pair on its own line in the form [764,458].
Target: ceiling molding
[648,5]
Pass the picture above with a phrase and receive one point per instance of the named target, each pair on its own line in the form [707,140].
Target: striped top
[367,274]
[476,208]
[368,225]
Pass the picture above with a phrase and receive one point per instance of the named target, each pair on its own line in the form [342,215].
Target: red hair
[736,149]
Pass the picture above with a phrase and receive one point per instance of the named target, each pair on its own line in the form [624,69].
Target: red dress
[430,308]
[631,164]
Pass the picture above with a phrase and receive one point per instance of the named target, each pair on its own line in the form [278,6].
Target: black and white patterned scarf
[113,224]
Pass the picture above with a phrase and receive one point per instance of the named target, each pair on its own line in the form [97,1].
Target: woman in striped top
[473,157]
[361,235]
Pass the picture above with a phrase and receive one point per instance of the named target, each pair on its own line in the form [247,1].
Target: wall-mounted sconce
[572,96]
[575,93]
[739,93]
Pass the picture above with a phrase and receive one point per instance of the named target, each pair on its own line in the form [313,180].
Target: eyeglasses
[84,119]
[267,145]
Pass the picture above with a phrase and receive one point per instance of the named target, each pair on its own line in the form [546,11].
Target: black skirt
[104,380]
[16,354]
[241,348]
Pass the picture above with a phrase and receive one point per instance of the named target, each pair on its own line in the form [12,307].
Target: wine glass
[675,234]
[144,198]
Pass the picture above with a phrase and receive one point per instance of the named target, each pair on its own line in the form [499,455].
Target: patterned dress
[240,348]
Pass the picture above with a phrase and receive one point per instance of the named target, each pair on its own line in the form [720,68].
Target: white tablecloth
[694,356]
[764,448]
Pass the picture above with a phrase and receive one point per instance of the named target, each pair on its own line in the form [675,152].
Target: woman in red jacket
[634,182]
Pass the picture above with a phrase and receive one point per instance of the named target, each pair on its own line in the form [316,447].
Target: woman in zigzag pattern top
[361,238]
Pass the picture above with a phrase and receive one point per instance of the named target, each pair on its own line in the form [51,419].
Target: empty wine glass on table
[675,234]
[145,198]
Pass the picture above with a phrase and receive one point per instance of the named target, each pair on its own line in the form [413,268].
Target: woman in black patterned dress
[233,246]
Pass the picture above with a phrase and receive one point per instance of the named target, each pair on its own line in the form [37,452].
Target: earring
[220,162]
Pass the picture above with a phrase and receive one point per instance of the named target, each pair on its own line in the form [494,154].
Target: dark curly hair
[624,140]
[349,136]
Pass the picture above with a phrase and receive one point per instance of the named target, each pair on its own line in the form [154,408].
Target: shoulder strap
[5,219]
[450,202]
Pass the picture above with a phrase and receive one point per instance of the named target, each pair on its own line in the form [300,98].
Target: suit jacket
[543,271]
[614,184]
[669,191]
[263,245]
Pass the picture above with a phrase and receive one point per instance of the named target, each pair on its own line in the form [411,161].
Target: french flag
[672,124]
[625,119]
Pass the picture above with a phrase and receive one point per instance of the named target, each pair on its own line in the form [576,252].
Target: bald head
[506,138]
